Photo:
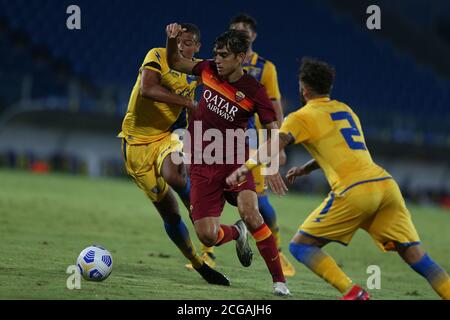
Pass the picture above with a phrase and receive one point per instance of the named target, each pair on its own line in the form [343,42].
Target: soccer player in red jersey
[230,97]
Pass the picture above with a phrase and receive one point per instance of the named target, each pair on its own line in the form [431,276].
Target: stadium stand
[401,94]
[376,76]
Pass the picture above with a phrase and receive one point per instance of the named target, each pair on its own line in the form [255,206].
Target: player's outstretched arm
[175,60]
[269,150]
[151,88]
[303,170]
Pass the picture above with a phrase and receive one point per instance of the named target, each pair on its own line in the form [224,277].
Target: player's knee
[253,219]
[302,252]
[410,254]
[207,238]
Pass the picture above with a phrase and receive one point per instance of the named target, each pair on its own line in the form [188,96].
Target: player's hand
[277,184]
[173,30]
[237,176]
[282,158]
[295,172]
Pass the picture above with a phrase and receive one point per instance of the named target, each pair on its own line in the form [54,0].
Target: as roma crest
[240,96]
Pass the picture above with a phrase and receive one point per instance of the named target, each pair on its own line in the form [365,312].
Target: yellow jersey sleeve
[296,124]
[155,60]
[269,79]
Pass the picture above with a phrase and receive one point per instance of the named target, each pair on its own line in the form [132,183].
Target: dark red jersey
[226,106]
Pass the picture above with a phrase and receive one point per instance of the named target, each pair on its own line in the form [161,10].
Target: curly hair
[317,75]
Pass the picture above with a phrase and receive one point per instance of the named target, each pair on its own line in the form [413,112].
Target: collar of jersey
[318,100]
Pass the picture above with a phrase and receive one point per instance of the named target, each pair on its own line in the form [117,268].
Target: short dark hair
[234,40]
[317,75]
[245,18]
[192,28]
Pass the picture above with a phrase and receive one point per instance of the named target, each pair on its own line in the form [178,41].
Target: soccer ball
[95,263]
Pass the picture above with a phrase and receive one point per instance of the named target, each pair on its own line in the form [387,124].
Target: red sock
[226,234]
[267,247]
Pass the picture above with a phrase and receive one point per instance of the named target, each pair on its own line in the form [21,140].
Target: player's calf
[420,262]
[320,263]
[176,228]
[176,177]
[265,242]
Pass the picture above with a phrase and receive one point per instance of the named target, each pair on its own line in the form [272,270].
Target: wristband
[251,164]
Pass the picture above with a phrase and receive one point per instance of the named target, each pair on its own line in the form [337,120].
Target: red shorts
[209,191]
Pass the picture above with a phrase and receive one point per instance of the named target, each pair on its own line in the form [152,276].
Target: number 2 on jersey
[348,133]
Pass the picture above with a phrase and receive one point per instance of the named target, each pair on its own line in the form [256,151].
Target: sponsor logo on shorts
[240,184]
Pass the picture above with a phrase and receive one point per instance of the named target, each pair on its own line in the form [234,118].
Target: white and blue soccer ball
[95,263]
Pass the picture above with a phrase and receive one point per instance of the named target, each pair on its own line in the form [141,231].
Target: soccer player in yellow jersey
[157,107]
[363,194]
[265,72]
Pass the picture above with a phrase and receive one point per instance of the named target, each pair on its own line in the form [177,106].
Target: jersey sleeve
[296,124]
[199,67]
[264,107]
[155,60]
[269,79]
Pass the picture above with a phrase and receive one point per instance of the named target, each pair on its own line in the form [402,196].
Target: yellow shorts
[143,163]
[377,207]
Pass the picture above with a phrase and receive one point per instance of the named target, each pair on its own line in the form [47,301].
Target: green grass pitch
[46,220]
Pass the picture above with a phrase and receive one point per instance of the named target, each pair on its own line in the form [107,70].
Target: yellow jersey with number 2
[332,134]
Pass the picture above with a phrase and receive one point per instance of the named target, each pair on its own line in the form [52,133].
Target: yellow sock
[435,275]
[321,264]
[196,261]
[206,249]
[193,256]
[443,289]
[329,271]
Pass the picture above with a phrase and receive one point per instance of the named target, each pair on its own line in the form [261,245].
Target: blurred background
[63,93]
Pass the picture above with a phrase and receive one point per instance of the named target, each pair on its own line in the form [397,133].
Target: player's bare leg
[175,175]
[248,209]
[416,257]
[208,230]
[179,234]
[308,251]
